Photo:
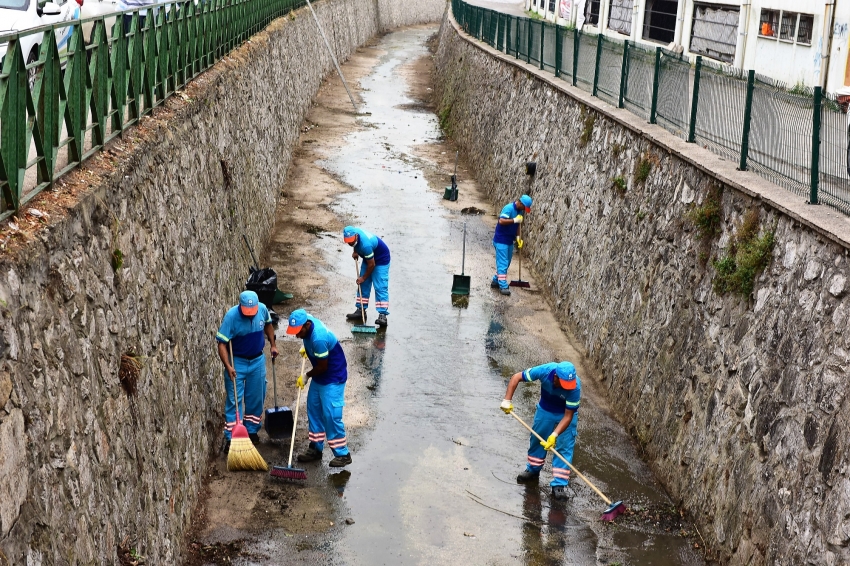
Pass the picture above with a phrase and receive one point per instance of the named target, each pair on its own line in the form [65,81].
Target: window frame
[794,34]
[705,53]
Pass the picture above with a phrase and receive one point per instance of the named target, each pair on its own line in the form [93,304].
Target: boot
[340,461]
[494,284]
[356,315]
[382,320]
[528,477]
[311,455]
[559,492]
[505,291]
[255,438]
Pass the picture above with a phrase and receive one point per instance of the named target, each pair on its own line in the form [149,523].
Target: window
[620,18]
[790,27]
[715,31]
[659,21]
[591,13]
[551,6]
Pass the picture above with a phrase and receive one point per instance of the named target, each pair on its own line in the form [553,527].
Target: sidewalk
[510,7]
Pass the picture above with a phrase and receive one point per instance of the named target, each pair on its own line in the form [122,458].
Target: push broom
[361,328]
[519,282]
[614,509]
[288,472]
[242,454]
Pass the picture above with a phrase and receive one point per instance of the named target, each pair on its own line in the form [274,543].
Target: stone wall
[88,459]
[738,401]
[395,14]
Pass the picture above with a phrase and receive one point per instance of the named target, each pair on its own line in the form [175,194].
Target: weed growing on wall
[642,170]
[589,120]
[706,217]
[748,254]
[617,149]
[117,259]
[445,124]
[619,184]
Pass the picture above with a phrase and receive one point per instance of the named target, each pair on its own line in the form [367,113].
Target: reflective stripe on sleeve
[221,337]
[526,376]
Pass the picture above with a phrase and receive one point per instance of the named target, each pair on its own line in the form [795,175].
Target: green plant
[617,149]
[587,132]
[706,217]
[619,183]
[642,170]
[443,115]
[117,259]
[533,15]
[641,214]
[748,254]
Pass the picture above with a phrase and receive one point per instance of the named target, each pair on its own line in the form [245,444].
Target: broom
[613,510]
[361,328]
[242,454]
[519,282]
[288,472]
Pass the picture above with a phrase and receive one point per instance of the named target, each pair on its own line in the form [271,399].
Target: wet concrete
[434,457]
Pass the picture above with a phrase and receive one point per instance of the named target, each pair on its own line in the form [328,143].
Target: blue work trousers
[324,417]
[251,386]
[504,255]
[544,425]
[380,278]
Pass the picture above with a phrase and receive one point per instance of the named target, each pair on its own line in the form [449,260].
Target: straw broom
[242,454]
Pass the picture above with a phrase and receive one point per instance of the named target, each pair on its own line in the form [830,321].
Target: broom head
[242,454]
[288,473]
[364,329]
[614,510]
[520,283]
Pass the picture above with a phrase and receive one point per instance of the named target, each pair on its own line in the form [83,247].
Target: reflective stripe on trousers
[544,425]
[324,417]
[504,255]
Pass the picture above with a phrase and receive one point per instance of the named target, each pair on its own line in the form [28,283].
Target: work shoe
[225,446]
[559,492]
[494,284]
[528,477]
[356,315]
[255,438]
[382,320]
[505,291]
[311,455]
[340,461]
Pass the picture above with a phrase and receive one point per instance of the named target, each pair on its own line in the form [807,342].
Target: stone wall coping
[825,221]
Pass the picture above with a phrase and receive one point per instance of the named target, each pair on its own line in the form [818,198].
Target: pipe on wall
[826,55]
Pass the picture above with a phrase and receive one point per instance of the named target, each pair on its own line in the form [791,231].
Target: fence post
[816,123]
[516,38]
[558,51]
[542,41]
[692,130]
[596,68]
[748,112]
[576,41]
[530,27]
[624,75]
[653,113]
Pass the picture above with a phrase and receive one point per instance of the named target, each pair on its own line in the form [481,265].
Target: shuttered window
[620,18]
[715,31]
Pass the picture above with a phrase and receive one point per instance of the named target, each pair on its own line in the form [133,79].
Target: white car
[21,15]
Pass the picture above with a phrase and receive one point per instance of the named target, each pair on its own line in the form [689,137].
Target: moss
[748,254]
[587,132]
[619,183]
[640,214]
[117,259]
[443,115]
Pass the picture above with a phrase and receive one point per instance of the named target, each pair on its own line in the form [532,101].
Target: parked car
[21,15]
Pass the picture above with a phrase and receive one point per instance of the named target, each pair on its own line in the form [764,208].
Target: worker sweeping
[375,271]
[510,218]
[555,420]
[243,326]
[326,397]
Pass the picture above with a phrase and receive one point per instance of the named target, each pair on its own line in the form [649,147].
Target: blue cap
[296,321]
[526,201]
[349,234]
[566,373]
[249,303]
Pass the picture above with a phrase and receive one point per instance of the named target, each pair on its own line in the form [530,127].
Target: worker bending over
[503,240]
[556,419]
[326,397]
[375,270]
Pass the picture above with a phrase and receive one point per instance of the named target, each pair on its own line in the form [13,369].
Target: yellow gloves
[518,219]
[303,352]
[550,442]
[300,382]
[519,243]
[506,406]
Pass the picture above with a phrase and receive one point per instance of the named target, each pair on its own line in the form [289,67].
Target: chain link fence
[796,138]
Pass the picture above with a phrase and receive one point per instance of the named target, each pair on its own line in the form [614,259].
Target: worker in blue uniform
[555,420]
[244,326]
[374,271]
[507,226]
[326,397]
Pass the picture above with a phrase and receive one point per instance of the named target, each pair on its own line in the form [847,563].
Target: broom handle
[558,454]
[233,379]
[463,260]
[520,253]
[359,292]
[295,425]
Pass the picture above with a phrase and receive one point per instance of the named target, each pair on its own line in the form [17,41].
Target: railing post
[657,75]
[576,41]
[624,75]
[748,112]
[530,33]
[516,38]
[542,41]
[816,123]
[558,51]
[596,68]
[692,130]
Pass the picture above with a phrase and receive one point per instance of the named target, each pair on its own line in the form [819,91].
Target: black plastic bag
[264,283]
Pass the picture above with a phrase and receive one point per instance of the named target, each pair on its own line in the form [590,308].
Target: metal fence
[796,138]
[60,106]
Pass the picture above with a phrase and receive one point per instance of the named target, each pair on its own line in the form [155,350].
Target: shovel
[461,283]
[279,422]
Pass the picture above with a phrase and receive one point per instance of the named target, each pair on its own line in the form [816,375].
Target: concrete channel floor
[434,458]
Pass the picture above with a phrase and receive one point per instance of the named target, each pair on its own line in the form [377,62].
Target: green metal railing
[59,108]
[796,138]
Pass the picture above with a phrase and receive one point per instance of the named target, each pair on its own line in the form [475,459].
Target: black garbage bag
[264,283]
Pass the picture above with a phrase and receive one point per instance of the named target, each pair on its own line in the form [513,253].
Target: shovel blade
[279,422]
[461,284]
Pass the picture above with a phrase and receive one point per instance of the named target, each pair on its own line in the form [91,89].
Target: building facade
[800,42]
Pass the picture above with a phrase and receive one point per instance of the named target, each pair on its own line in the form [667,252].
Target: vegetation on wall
[747,255]
[589,120]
